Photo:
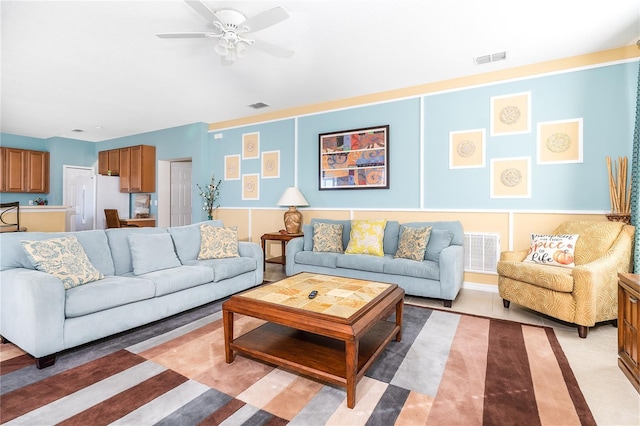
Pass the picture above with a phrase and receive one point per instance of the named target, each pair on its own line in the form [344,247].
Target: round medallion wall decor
[511,177]
[558,142]
[510,114]
[466,148]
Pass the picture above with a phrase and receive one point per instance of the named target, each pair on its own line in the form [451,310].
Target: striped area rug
[448,369]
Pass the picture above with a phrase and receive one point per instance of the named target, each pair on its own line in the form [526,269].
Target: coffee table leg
[227,320]
[399,307]
[351,352]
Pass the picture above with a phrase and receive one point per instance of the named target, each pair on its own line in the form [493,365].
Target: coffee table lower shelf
[317,356]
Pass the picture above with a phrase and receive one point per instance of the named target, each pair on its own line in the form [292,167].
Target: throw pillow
[366,237]
[63,258]
[327,237]
[439,239]
[152,252]
[553,250]
[218,242]
[413,243]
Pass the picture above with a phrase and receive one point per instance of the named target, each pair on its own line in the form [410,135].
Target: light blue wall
[604,97]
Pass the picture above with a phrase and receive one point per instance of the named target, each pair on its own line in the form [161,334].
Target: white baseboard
[480,287]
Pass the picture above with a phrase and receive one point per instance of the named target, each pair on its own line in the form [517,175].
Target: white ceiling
[82,64]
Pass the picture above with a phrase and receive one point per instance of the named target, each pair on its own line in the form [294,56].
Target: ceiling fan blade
[273,49]
[186,35]
[265,19]
[203,10]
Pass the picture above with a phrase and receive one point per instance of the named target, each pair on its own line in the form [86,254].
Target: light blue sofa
[439,275]
[41,317]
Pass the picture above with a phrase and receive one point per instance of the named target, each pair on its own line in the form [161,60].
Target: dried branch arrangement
[619,193]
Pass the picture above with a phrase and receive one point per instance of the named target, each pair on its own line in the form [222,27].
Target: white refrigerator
[93,195]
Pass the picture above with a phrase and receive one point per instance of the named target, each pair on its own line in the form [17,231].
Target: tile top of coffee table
[337,296]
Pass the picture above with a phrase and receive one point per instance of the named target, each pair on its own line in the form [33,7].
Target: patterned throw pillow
[552,250]
[327,237]
[413,243]
[63,258]
[366,237]
[218,242]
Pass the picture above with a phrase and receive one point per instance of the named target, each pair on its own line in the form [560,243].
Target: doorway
[180,193]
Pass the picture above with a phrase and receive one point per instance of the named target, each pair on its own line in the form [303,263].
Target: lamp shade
[292,197]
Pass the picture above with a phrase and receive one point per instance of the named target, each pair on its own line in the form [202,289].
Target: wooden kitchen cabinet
[138,169]
[109,162]
[628,324]
[24,170]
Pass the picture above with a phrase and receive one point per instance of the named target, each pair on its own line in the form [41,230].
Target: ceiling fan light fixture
[222,47]
[241,50]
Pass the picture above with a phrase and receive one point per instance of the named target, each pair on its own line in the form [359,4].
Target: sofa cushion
[366,237]
[413,242]
[439,239]
[552,250]
[391,237]
[327,237]
[362,262]
[110,292]
[410,268]
[119,243]
[327,260]
[175,279]
[217,242]
[550,277]
[152,252]
[186,239]
[227,268]
[63,258]
[308,235]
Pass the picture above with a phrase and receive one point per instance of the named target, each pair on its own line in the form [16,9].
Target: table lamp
[292,197]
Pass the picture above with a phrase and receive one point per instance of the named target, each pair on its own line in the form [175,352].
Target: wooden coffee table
[334,337]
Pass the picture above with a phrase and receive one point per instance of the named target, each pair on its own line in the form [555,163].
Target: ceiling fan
[232,29]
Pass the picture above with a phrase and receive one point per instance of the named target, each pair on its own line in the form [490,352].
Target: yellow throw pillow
[63,258]
[366,237]
[217,242]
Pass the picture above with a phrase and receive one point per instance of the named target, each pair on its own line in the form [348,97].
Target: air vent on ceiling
[485,59]
[77,130]
[258,105]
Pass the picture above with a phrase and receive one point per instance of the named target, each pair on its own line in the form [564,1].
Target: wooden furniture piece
[24,170]
[276,236]
[334,337]
[113,220]
[628,324]
[138,169]
[9,224]
[146,222]
[109,162]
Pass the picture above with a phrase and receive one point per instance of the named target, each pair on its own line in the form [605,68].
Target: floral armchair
[584,294]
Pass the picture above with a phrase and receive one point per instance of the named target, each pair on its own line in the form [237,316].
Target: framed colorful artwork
[270,164]
[354,159]
[511,177]
[250,145]
[511,114]
[232,167]
[251,186]
[560,141]
[466,149]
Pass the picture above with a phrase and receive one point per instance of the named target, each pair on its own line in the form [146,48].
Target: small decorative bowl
[619,217]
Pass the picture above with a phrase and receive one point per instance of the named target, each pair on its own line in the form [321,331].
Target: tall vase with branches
[210,194]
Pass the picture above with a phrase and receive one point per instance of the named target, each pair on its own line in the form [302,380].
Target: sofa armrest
[32,307]
[451,264]
[513,256]
[293,247]
[249,249]
[598,281]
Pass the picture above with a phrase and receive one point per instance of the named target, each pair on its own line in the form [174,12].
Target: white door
[69,174]
[180,193]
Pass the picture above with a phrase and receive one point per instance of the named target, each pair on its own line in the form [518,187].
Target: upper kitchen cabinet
[24,170]
[109,162]
[138,168]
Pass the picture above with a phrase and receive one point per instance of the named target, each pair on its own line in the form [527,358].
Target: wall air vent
[258,105]
[486,59]
[481,252]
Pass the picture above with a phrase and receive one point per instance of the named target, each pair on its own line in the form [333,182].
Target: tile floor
[594,360]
